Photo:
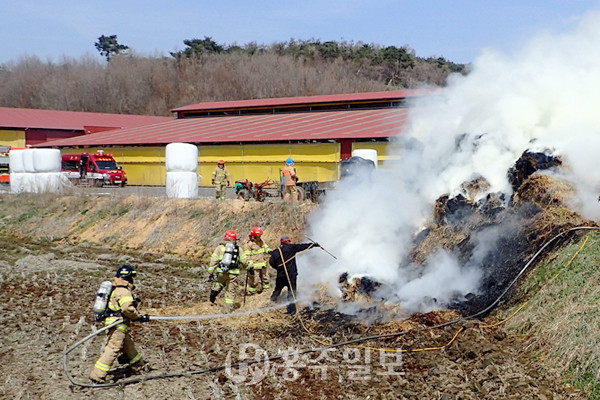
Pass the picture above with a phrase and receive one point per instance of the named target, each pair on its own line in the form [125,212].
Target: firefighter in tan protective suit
[257,252]
[225,263]
[220,178]
[289,181]
[120,305]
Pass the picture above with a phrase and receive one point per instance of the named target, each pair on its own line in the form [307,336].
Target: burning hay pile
[514,228]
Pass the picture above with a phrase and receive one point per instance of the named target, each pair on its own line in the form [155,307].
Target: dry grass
[544,190]
[190,228]
[439,237]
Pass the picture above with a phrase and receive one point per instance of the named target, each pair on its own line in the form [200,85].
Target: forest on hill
[129,83]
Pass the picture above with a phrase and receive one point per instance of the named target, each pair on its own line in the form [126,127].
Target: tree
[108,46]
[198,47]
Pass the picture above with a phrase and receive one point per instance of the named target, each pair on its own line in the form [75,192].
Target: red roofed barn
[254,137]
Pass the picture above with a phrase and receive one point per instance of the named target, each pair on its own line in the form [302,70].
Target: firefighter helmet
[256,232]
[220,162]
[285,239]
[230,235]
[126,272]
[289,161]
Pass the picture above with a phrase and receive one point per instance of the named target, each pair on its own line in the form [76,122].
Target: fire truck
[97,169]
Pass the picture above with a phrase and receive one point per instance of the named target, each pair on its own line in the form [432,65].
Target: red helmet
[230,235]
[285,239]
[221,162]
[256,231]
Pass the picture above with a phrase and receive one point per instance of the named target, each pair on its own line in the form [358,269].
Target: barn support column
[345,148]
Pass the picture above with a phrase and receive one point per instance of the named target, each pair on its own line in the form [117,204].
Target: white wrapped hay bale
[15,160]
[22,182]
[17,182]
[46,160]
[50,182]
[28,160]
[367,154]
[183,185]
[181,157]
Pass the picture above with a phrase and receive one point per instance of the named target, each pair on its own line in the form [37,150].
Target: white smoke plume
[545,96]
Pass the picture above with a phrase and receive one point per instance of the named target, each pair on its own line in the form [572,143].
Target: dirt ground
[56,251]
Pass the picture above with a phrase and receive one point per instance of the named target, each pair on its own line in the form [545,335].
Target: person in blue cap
[289,181]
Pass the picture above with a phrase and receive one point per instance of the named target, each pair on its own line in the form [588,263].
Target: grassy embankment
[560,324]
[189,228]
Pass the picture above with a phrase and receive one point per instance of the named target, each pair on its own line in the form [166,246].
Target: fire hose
[300,352]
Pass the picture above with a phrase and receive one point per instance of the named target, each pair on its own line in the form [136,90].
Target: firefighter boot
[213,296]
[123,359]
[140,366]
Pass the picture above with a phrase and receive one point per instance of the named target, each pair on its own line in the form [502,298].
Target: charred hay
[527,164]
[535,214]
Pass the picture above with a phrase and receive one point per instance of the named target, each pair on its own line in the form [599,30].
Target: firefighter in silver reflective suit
[120,304]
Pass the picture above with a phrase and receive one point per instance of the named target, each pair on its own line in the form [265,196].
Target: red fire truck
[95,169]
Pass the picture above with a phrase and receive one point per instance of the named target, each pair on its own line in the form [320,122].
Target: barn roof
[300,126]
[290,102]
[26,118]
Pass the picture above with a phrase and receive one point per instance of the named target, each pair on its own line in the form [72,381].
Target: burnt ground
[48,288]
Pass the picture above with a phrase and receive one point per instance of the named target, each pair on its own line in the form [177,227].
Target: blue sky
[457,30]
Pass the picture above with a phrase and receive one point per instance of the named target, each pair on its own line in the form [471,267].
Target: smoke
[543,97]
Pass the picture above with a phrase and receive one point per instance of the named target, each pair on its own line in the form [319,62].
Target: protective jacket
[220,176]
[257,253]
[289,175]
[289,251]
[121,304]
[239,260]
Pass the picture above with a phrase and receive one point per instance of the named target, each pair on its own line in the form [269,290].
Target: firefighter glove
[315,244]
[99,318]
[143,318]
[136,302]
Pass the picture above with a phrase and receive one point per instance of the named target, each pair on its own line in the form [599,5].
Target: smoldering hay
[543,97]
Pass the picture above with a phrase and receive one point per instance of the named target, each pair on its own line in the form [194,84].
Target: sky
[457,30]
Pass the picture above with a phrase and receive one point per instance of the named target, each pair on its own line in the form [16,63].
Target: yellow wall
[315,161]
[13,138]
[146,165]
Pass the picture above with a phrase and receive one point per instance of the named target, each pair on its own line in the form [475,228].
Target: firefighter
[257,252]
[283,259]
[220,178]
[224,269]
[121,304]
[289,181]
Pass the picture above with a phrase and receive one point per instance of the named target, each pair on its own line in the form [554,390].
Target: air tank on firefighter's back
[102,297]
[228,255]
